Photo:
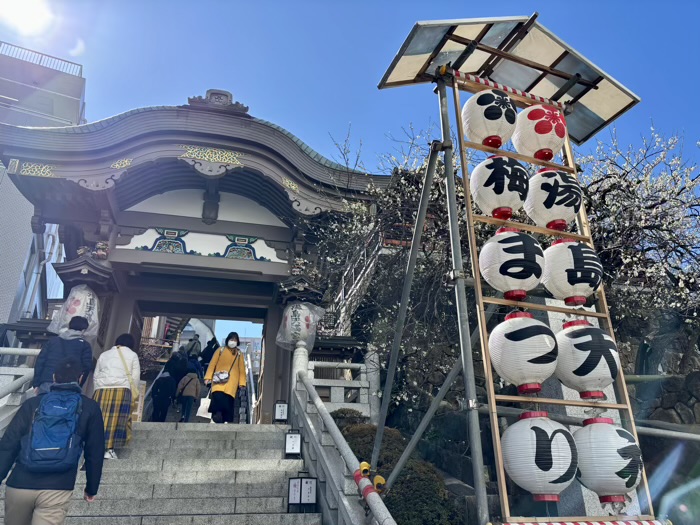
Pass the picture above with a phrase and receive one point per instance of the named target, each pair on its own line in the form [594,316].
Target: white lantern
[523,351]
[539,455]
[553,199]
[512,263]
[610,460]
[588,359]
[540,132]
[489,118]
[572,271]
[499,186]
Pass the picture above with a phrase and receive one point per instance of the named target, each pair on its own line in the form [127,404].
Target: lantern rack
[474,84]
[529,227]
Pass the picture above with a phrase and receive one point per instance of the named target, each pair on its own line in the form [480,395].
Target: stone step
[186,491]
[226,519]
[201,435]
[178,507]
[184,465]
[203,453]
[158,444]
[283,470]
[208,427]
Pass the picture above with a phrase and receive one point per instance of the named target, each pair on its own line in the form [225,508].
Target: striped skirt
[116,412]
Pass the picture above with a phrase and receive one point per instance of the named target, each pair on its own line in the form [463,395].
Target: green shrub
[345,417]
[419,496]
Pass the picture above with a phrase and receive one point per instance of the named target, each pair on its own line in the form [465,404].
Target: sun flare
[27,17]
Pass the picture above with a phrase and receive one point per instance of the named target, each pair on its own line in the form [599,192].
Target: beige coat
[223,361]
[189,386]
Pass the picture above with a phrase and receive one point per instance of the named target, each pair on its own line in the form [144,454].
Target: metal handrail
[41,59]
[374,501]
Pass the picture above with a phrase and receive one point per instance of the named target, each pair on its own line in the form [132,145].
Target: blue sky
[313,66]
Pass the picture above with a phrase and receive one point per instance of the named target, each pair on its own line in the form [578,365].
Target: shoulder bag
[134,388]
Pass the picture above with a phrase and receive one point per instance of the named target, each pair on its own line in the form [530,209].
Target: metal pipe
[648,378]
[14,386]
[405,298]
[341,366]
[473,428]
[434,405]
[569,420]
[374,501]
[25,352]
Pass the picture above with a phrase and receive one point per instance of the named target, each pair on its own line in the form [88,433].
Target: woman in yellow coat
[226,374]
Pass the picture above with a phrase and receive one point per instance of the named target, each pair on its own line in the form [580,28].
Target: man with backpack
[68,344]
[194,347]
[44,442]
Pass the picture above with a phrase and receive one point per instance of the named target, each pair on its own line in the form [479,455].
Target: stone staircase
[194,473]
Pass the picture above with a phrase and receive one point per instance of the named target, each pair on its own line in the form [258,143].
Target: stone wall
[675,400]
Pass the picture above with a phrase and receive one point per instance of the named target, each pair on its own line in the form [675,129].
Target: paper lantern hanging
[523,351]
[540,132]
[588,359]
[610,460]
[512,262]
[553,199]
[572,271]
[489,118]
[499,186]
[539,455]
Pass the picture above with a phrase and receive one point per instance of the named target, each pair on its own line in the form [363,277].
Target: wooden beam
[530,228]
[520,60]
[543,307]
[509,43]
[461,59]
[518,156]
[562,402]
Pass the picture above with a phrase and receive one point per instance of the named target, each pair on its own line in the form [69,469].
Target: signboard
[137,414]
[308,491]
[292,443]
[294,495]
[281,409]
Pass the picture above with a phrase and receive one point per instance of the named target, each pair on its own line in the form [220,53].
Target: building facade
[35,90]
[195,211]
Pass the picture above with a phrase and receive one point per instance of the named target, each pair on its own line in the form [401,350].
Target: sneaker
[107,455]
[110,454]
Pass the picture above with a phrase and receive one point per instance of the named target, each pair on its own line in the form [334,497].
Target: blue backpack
[52,444]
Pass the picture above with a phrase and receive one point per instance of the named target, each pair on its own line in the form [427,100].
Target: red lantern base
[529,388]
[576,322]
[515,295]
[492,141]
[594,394]
[502,213]
[575,300]
[557,224]
[546,497]
[545,154]
[612,499]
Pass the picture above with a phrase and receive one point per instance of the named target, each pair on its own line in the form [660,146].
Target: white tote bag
[203,410]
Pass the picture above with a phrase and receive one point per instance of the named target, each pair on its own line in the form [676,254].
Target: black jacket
[90,428]
[56,350]
[163,391]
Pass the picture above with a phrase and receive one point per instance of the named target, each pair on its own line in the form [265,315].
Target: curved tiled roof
[100,124]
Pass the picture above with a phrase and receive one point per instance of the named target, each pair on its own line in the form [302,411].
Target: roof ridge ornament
[218,99]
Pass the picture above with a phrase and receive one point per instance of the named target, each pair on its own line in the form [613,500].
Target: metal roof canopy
[520,53]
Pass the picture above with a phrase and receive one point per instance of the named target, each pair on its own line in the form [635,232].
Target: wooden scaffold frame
[470,83]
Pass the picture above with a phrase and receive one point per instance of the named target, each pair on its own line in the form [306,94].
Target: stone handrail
[330,459]
[13,393]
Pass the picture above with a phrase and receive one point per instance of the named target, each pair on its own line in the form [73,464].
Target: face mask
[232,343]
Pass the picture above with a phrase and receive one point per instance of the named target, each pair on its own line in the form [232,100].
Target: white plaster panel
[203,243]
[188,203]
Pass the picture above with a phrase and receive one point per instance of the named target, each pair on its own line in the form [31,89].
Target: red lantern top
[591,421]
[516,315]
[531,415]
[577,322]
